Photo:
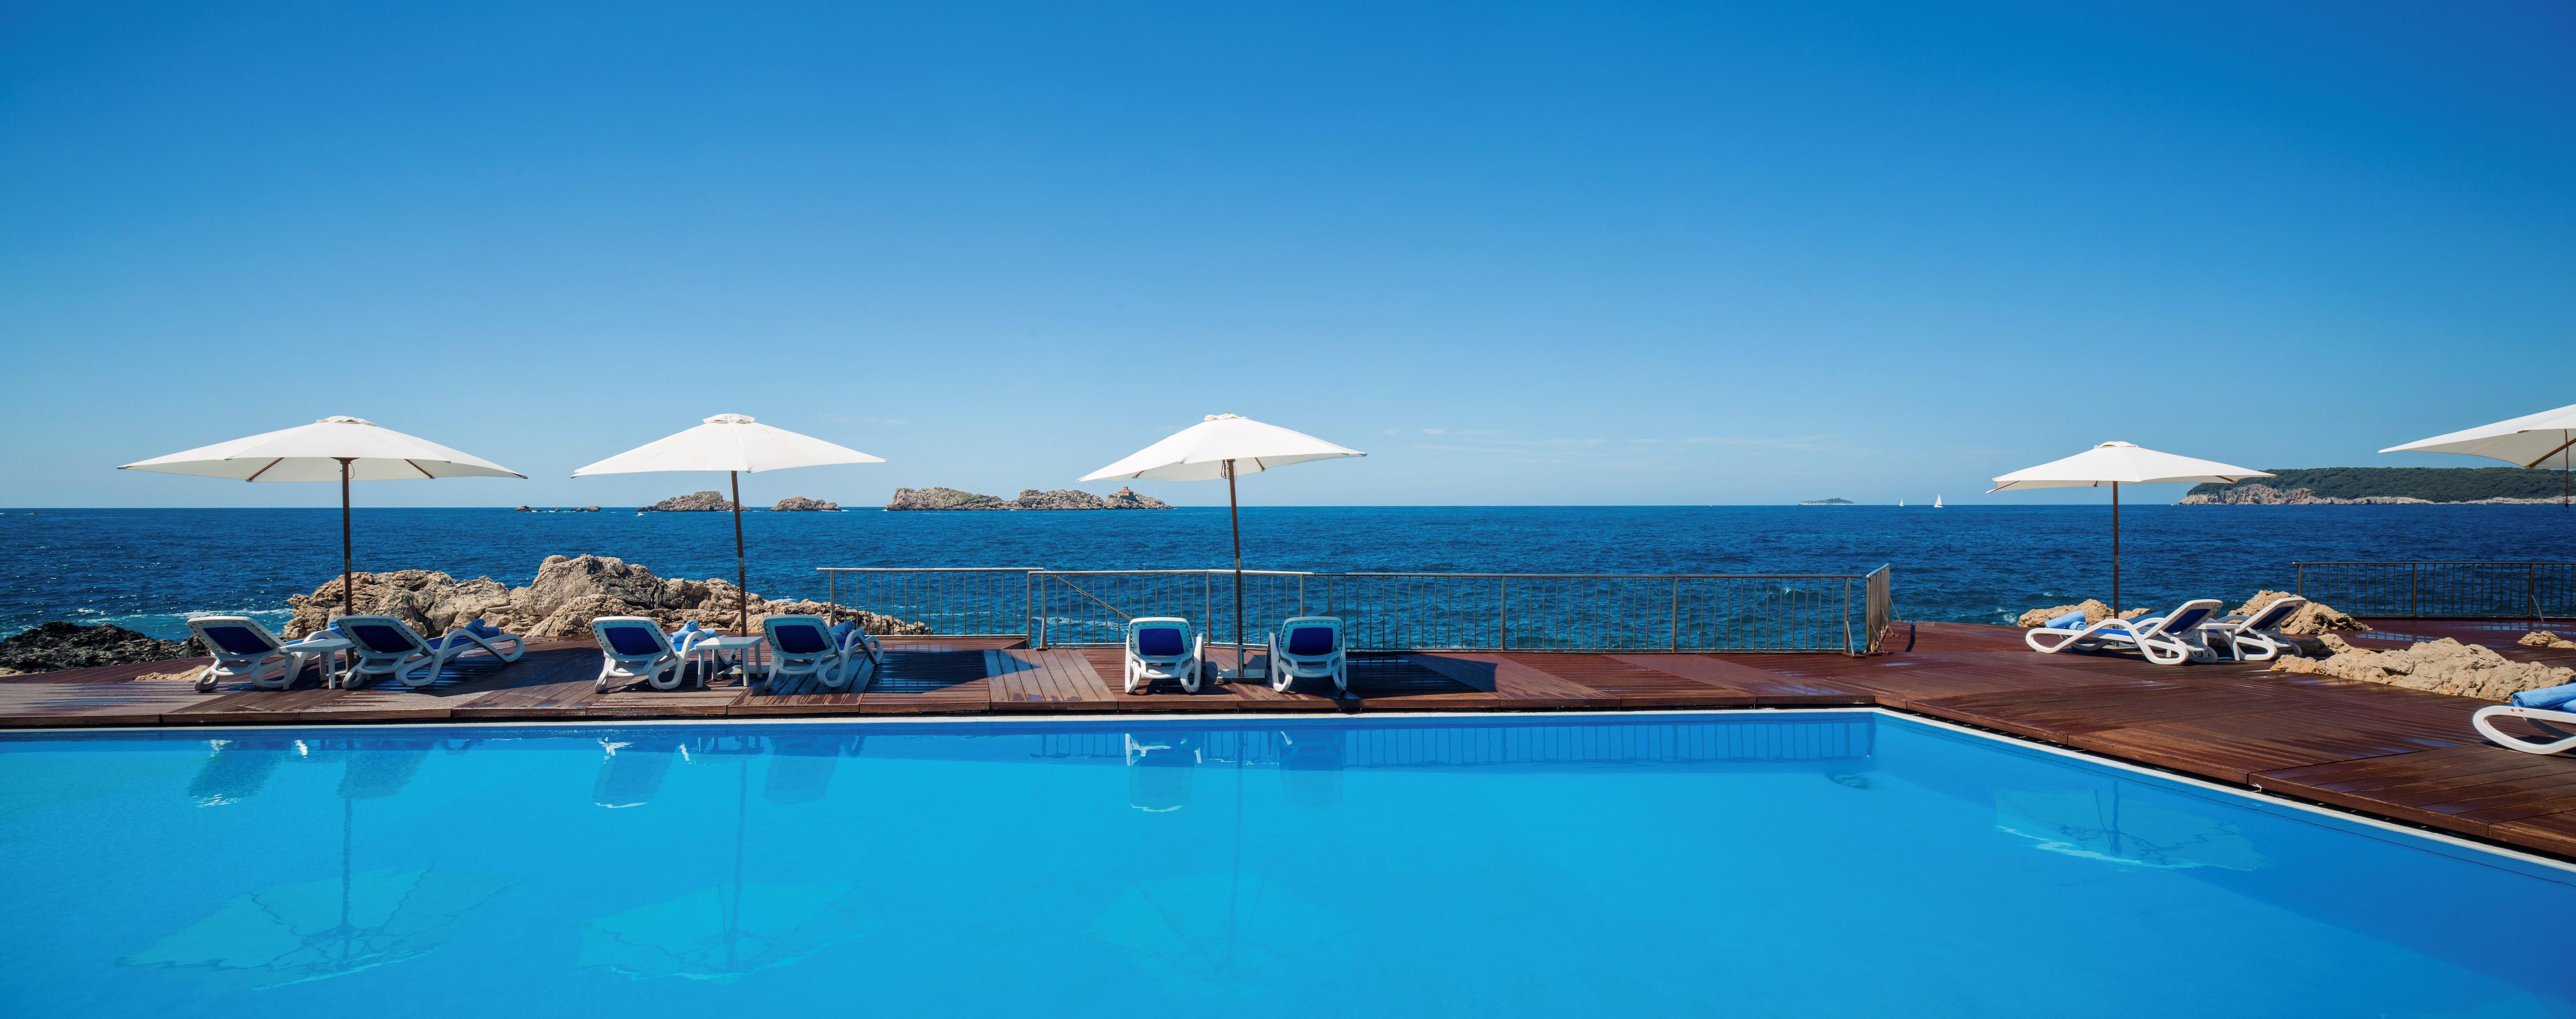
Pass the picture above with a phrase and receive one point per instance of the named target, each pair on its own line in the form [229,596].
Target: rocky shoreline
[567,593]
[56,645]
[2251,494]
[1029,499]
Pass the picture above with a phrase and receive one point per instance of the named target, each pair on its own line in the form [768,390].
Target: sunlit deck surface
[2394,753]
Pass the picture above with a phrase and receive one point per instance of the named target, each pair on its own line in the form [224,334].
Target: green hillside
[2436,484]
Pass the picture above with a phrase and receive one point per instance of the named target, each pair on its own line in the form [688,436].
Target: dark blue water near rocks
[149,568]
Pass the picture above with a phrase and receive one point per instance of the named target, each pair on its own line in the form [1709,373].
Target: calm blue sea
[1771,864]
[149,568]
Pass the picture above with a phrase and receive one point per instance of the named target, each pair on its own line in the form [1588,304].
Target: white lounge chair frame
[1143,669]
[663,666]
[829,665]
[253,665]
[490,643]
[2255,638]
[1286,669]
[2542,717]
[415,666]
[2170,639]
[861,653]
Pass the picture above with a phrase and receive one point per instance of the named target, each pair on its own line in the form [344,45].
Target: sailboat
[1900,504]
[1936,502]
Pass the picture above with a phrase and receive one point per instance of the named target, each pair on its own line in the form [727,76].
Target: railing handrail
[2432,562]
[930,569]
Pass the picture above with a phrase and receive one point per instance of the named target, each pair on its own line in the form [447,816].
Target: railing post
[1847,645]
[2300,585]
[1503,616]
[1677,613]
[832,601]
[2413,572]
[2531,588]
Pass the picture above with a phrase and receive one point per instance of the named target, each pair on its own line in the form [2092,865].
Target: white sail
[1936,502]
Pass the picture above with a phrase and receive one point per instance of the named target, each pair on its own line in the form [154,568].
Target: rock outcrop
[694,502]
[2544,638]
[1030,499]
[55,645]
[523,509]
[801,504]
[2093,609]
[943,499]
[565,596]
[2312,618]
[1060,499]
[1126,498]
[2439,666]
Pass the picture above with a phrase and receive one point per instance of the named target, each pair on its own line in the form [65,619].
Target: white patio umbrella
[2116,464]
[2526,441]
[736,445]
[343,448]
[1223,446]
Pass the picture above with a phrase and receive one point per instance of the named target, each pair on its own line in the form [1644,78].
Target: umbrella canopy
[1223,446]
[2121,463]
[2526,441]
[2116,464]
[339,448]
[730,443]
[1202,451]
[736,445]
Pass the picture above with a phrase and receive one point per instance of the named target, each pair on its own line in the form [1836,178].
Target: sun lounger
[386,646]
[1313,650]
[2170,639]
[2255,638]
[244,649]
[1163,647]
[2546,709]
[804,646]
[860,651]
[488,637]
[632,648]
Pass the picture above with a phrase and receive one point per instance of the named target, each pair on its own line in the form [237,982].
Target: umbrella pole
[2115,549]
[1234,519]
[348,588]
[741,573]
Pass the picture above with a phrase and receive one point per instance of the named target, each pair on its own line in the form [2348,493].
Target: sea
[150,569]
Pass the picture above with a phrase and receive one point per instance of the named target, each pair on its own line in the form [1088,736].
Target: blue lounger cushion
[2555,698]
[2070,621]
[1161,642]
[378,638]
[631,640]
[238,640]
[799,639]
[1310,641]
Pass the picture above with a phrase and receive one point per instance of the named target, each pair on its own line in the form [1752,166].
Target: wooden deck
[2397,754]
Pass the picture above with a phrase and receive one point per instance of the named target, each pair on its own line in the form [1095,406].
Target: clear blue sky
[1576,253]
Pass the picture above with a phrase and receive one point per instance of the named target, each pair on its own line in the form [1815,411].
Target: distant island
[2385,486]
[801,504]
[1030,499]
[694,502]
[1828,502]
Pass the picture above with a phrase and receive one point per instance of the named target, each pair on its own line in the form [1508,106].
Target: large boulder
[2093,609]
[566,594]
[2544,638]
[2312,618]
[56,645]
[694,502]
[2440,666]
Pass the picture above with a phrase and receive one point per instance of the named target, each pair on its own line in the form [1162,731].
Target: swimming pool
[1807,863]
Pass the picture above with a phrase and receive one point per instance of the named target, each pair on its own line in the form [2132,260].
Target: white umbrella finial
[729,419]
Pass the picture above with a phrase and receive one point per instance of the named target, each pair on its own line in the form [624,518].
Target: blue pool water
[1746,864]
[148,568]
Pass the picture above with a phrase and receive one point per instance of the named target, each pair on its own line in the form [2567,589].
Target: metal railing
[2405,590]
[988,601]
[1843,613]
